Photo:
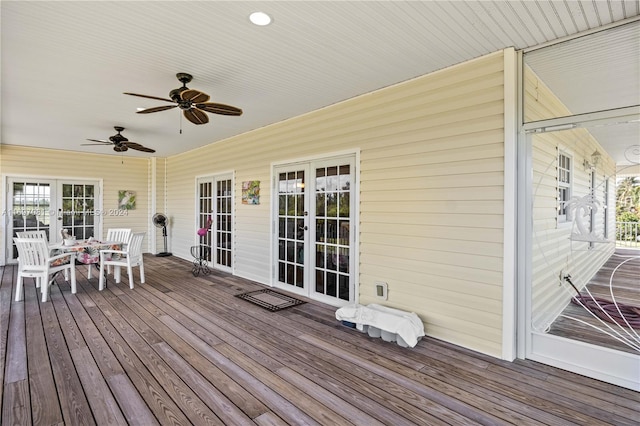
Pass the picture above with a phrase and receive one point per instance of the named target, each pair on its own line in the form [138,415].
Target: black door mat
[270,300]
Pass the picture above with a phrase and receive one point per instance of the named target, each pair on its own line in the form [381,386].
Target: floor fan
[160,221]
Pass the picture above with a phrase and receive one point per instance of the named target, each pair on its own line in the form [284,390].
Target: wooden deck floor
[626,291]
[184,350]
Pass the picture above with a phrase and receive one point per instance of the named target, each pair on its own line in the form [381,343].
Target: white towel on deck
[405,324]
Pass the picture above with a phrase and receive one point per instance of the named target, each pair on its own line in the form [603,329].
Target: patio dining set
[43,261]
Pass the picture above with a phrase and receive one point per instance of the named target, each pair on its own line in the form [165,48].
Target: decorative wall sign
[251,192]
[126,200]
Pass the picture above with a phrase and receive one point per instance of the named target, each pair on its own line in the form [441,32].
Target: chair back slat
[134,250]
[121,235]
[41,234]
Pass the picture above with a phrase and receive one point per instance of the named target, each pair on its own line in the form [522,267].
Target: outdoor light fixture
[595,159]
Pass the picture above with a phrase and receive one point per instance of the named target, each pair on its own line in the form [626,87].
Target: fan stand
[164,253]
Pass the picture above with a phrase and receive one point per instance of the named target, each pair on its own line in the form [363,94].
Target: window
[564,187]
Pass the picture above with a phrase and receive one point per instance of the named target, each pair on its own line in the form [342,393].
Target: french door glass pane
[78,210]
[31,208]
[205,200]
[223,221]
[291,193]
[332,223]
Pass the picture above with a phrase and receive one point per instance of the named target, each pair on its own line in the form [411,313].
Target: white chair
[42,235]
[120,235]
[130,257]
[34,261]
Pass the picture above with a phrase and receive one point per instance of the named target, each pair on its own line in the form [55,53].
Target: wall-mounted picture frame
[251,192]
[126,200]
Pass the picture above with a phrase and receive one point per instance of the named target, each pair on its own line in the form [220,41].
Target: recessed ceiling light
[260,18]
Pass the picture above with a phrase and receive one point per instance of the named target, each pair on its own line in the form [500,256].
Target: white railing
[627,234]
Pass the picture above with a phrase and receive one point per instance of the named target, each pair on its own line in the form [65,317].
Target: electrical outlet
[561,277]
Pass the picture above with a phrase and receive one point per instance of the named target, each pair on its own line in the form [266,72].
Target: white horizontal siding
[436,232]
[449,278]
[470,282]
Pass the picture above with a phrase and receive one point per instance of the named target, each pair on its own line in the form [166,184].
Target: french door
[314,238]
[215,217]
[52,205]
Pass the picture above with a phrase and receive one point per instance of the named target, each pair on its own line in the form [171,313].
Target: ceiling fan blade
[139,147]
[156,109]
[98,140]
[219,108]
[120,148]
[194,96]
[92,144]
[131,144]
[196,116]
[148,97]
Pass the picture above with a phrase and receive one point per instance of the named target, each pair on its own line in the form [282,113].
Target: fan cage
[159,220]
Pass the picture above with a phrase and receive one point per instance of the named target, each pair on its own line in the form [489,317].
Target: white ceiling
[598,72]
[66,64]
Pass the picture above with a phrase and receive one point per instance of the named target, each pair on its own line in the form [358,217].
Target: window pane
[320,207]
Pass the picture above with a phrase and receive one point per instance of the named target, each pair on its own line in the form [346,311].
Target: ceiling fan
[119,142]
[193,103]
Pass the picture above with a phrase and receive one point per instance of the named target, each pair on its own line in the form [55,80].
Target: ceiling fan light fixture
[260,18]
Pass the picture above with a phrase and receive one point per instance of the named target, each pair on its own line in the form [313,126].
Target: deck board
[6,285]
[45,410]
[141,338]
[184,350]
[70,392]
[150,391]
